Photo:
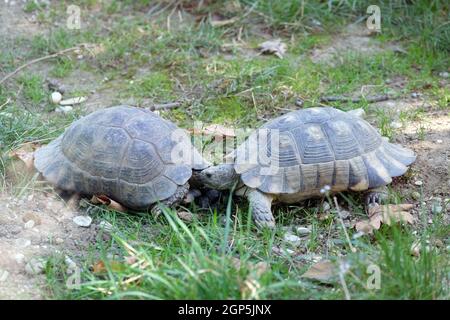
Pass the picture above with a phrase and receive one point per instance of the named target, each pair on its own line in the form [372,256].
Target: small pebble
[59,240]
[292,239]
[55,97]
[345,214]
[23,243]
[303,231]
[436,206]
[3,275]
[29,224]
[395,125]
[439,141]
[416,95]
[20,258]
[415,195]
[326,207]
[82,221]
[31,216]
[443,74]
[418,183]
[64,109]
[35,266]
[106,226]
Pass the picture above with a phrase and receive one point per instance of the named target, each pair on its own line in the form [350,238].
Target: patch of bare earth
[356,39]
[33,228]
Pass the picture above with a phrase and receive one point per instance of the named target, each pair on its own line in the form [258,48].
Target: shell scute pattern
[324,146]
[123,152]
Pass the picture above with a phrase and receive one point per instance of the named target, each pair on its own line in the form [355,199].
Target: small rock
[106,226]
[185,216]
[415,195]
[59,240]
[325,206]
[303,231]
[3,275]
[345,214]
[292,239]
[55,97]
[443,74]
[416,95]
[29,224]
[436,206]
[35,266]
[82,221]
[439,141]
[71,265]
[23,243]
[20,258]
[418,183]
[72,101]
[80,57]
[395,125]
[299,102]
[64,109]
[31,216]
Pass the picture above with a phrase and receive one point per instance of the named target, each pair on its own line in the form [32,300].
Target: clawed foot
[376,197]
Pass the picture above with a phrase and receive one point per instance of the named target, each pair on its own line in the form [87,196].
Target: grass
[221,79]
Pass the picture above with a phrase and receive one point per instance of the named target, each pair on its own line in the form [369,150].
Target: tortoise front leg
[260,204]
[172,201]
[376,196]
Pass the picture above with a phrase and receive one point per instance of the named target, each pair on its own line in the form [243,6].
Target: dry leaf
[185,216]
[100,267]
[275,47]
[323,270]
[26,154]
[386,214]
[219,130]
[111,204]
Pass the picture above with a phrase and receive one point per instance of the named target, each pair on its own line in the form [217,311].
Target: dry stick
[352,248]
[7,101]
[169,105]
[54,55]
[370,99]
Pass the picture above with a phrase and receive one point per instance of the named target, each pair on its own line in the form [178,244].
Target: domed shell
[306,150]
[123,152]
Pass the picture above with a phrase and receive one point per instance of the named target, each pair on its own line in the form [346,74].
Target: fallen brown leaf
[100,266]
[387,214]
[25,153]
[275,47]
[323,270]
[111,204]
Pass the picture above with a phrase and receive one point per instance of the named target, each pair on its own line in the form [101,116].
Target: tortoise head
[221,177]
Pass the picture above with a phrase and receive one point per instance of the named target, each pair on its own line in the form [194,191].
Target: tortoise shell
[123,152]
[303,151]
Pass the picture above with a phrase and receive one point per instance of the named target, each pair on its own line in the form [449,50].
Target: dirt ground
[52,229]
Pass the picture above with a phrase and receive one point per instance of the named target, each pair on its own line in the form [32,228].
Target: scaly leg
[260,204]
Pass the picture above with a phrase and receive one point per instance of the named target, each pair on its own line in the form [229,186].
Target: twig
[50,56]
[352,248]
[370,99]
[6,102]
[170,105]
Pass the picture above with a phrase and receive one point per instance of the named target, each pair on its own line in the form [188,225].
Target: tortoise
[125,153]
[311,151]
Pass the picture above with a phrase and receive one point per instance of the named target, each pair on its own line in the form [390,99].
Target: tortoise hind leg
[260,204]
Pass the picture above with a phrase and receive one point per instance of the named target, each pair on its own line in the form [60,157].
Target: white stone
[3,275]
[439,141]
[82,221]
[29,224]
[396,125]
[20,258]
[303,231]
[292,239]
[64,109]
[418,183]
[443,74]
[23,243]
[55,97]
